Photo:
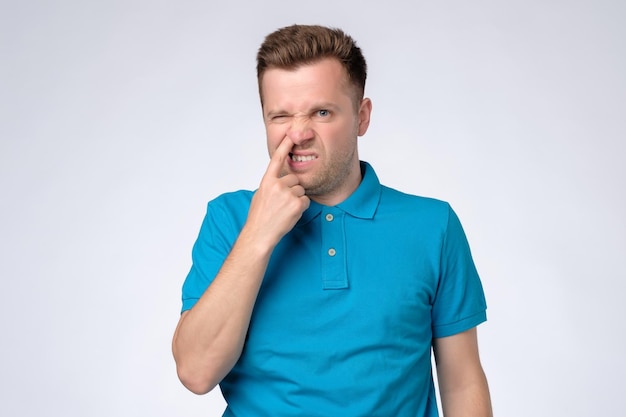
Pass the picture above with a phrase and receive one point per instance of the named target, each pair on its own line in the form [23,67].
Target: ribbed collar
[362,203]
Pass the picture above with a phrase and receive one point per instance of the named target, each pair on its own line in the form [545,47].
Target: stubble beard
[329,177]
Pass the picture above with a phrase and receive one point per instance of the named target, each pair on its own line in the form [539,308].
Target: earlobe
[365,111]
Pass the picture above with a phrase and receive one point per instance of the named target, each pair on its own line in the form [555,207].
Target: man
[323,292]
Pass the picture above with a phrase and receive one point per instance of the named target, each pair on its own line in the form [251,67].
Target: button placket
[334,275]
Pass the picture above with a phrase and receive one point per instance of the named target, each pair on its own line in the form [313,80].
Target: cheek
[342,133]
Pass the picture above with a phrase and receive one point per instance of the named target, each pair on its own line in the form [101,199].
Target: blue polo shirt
[349,305]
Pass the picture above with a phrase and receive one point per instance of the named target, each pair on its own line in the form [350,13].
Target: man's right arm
[209,338]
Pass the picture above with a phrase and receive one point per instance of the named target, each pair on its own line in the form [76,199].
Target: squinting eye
[323,113]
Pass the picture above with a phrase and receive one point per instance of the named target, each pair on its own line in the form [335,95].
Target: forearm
[209,338]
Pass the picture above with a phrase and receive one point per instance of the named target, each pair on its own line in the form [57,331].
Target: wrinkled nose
[299,131]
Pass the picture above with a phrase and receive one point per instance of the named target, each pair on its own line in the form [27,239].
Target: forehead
[326,78]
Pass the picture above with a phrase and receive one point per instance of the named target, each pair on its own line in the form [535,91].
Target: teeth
[301,158]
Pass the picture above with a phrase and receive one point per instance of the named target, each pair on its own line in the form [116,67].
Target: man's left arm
[462,382]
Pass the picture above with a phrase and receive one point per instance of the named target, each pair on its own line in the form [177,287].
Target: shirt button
[329,217]
[332,252]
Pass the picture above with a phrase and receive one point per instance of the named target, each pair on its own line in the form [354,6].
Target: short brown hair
[293,46]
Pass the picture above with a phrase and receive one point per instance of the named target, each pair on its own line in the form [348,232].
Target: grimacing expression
[314,106]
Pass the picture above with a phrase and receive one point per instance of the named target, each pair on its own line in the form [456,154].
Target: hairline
[346,82]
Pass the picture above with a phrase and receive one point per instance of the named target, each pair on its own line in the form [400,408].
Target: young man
[323,292]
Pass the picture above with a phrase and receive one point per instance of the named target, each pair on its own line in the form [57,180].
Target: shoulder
[230,207]
[233,199]
[398,200]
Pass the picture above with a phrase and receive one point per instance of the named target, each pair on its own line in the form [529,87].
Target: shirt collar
[362,203]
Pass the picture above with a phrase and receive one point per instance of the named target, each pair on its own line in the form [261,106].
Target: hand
[279,202]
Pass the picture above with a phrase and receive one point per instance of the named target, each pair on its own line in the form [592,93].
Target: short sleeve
[218,232]
[459,302]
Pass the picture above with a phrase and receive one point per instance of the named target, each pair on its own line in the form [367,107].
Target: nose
[300,131]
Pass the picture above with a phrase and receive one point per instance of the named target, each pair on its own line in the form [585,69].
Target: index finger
[278,157]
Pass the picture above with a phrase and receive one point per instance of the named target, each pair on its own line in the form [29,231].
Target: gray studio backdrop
[119,120]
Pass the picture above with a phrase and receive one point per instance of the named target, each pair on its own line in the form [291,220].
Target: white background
[119,120]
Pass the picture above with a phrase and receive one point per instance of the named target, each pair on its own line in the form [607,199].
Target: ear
[365,111]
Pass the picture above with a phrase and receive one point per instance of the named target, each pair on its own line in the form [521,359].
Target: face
[314,106]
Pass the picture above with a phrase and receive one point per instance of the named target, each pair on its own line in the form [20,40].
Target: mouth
[301,158]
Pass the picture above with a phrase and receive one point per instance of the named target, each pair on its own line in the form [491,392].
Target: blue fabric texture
[351,300]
